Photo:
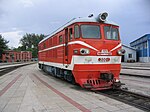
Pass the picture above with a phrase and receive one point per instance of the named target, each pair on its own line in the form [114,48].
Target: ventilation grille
[93,82]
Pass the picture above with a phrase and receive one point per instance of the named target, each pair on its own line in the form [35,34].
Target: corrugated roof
[148,35]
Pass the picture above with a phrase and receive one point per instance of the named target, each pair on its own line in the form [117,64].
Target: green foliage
[3,44]
[30,42]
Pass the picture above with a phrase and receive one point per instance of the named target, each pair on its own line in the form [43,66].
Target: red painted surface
[74,103]
[16,56]
[9,85]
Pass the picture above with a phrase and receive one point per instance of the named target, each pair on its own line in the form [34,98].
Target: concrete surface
[28,89]
[141,69]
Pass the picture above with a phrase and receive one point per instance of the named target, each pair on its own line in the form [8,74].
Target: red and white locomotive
[86,51]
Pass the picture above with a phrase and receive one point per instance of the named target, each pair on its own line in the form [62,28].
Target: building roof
[75,20]
[129,47]
[146,35]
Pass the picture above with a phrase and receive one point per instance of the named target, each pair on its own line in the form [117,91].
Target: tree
[30,42]
[3,45]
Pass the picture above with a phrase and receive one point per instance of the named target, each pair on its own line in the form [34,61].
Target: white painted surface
[129,51]
[84,60]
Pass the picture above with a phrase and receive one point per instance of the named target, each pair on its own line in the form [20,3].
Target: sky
[18,17]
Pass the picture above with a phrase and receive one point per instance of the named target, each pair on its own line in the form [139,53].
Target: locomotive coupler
[117,85]
[107,76]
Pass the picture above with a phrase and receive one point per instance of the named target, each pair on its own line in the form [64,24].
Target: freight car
[86,51]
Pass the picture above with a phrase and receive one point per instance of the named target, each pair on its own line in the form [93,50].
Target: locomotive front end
[97,59]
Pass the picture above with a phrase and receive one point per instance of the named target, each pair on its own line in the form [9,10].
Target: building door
[122,58]
[137,56]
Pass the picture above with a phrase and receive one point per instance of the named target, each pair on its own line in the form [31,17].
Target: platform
[29,89]
[137,69]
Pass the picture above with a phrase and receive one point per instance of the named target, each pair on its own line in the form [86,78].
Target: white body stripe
[70,43]
[94,59]
[119,45]
[86,60]
[52,47]
[81,43]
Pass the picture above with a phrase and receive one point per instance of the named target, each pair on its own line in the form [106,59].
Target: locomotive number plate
[103,59]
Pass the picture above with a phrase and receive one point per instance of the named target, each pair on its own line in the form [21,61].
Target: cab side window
[76,31]
[60,39]
[70,34]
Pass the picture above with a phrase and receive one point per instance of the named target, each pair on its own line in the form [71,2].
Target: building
[16,56]
[142,45]
[130,54]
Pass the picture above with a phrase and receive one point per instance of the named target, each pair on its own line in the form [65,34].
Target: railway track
[11,68]
[135,75]
[137,68]
[140,101]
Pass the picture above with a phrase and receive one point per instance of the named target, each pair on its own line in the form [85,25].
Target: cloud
[1,9]
[27,3]
[45,16]
[13,37]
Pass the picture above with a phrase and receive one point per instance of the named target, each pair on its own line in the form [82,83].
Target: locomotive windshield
[90,31]
[111,33]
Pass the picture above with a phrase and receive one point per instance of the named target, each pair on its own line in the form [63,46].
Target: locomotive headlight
[84,51]
[103,16]
[121,52]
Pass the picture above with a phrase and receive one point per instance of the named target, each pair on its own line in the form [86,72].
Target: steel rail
[135,68]
[134,99]
[135,75]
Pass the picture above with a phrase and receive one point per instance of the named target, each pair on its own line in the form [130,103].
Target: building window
[145,45]
[130,55]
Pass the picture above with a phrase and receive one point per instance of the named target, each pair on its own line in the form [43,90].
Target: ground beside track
[136,69]
[135,83]
[136,64]
[22,91]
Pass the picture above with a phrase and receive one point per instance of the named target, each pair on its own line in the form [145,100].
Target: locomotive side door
[66,47]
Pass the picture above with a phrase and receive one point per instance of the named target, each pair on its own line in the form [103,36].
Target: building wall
[144,59]
[14,56]
[129,51]
[148,43]
[142,45]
